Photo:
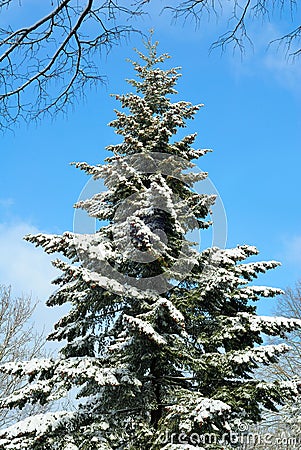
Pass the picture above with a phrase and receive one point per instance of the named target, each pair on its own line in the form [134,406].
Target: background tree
[289,305]
[18,341]
[285,424]
[49,63]
[160,338]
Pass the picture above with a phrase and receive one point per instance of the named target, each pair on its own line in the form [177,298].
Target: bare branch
[45,66]
[18,341]
[243,12]
[289,41]
[239,32]
[287,420]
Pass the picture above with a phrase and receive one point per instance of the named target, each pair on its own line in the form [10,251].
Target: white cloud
[293,249]
[29,271]
[286,72]
[269,59]
[6,202]
[27,268]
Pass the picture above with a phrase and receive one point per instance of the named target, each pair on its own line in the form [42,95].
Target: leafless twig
[45,66]
[239,19]
[18,341]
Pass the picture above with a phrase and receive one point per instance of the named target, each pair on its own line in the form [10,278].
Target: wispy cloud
[286,72]
[26,268]
[6,202]
[268,59]
[293,250]
[29,271]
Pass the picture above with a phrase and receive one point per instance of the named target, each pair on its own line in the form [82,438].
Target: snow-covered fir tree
[161,341]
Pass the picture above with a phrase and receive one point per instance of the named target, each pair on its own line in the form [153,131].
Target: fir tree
[161,341]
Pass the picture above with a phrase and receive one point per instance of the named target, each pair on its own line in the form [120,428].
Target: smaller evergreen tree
[153,357]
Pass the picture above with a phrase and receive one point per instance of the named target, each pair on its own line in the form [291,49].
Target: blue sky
[251,120]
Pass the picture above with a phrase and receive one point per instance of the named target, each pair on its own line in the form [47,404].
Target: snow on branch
[271,325]
[64,371]
[244,323]
[31,367]
[37,425]
[263,354]
[144,328]
[94,279]
[255,292]
[197,410]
